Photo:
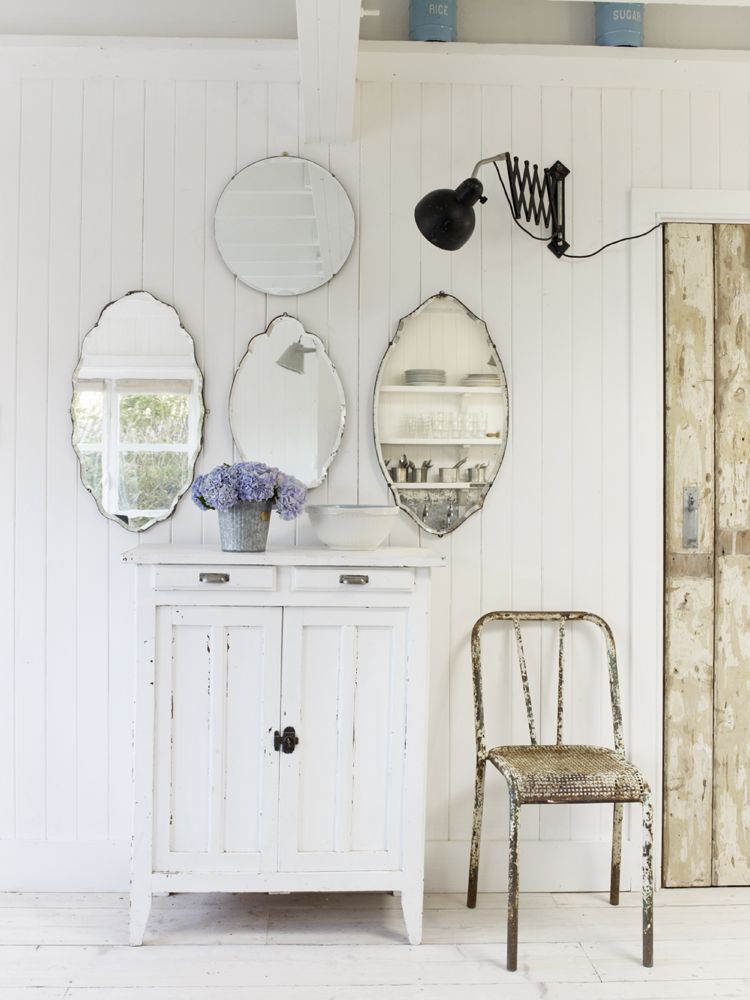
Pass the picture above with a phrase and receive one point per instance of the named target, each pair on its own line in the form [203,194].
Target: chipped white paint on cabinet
[222,669]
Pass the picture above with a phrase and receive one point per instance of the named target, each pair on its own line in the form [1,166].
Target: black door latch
[286,741]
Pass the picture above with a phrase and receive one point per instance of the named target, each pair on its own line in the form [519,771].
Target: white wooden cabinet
[236,650]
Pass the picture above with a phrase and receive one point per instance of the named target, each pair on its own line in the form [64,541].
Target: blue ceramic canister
[432,20]
[619,24]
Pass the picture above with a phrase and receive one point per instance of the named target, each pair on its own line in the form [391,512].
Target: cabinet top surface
[147,555]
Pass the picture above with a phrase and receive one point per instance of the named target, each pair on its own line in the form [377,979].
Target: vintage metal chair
[559,772]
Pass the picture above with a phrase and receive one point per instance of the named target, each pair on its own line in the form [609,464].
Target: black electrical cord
[544,239]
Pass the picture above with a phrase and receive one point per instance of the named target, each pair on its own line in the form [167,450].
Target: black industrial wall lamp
[446,217]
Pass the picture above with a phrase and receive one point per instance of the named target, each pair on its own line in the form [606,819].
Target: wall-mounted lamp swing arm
[446,218]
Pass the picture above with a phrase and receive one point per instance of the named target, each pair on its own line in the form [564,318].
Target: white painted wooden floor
[351,947]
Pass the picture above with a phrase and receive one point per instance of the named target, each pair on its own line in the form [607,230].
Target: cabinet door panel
[217,708]
[344,691]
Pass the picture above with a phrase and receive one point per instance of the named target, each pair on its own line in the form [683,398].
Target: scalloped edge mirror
[441,430]
[137,343]
[287,406]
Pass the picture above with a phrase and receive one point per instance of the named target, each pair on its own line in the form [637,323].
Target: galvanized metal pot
[244,527]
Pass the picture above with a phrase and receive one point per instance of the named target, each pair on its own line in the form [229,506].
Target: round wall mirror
[284,225]
[137,411]
[287,405]
[441,414]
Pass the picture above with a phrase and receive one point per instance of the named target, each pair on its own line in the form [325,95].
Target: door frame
[649,206]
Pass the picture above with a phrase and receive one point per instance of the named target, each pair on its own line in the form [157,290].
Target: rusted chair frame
[516,617]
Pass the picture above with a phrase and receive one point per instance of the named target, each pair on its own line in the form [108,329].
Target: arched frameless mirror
[441,414]
[287,404]
[284,225]
[137,411]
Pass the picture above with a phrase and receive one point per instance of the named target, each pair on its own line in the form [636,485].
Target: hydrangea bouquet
[244,494]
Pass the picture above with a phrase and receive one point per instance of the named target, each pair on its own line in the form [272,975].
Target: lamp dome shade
[446,217]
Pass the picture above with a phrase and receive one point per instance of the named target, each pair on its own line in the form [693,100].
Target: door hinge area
[286,741]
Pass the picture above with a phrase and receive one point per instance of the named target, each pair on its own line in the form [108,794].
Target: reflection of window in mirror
[137,411]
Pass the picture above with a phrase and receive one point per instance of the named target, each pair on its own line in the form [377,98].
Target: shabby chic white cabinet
[280,733]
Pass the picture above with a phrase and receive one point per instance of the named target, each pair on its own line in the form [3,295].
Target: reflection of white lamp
[293,358]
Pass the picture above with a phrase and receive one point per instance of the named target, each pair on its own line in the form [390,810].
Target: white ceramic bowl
[351,526]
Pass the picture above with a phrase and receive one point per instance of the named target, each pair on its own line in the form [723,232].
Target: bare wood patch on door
[731,861]
[689,540]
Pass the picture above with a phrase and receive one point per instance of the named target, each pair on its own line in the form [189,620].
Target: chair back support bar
[562,617]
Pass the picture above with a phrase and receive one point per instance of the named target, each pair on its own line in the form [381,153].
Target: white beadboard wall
[111,162]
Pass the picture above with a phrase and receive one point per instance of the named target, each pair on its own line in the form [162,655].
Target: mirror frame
[320,350]
[302,159]
[201,416]
[393,486]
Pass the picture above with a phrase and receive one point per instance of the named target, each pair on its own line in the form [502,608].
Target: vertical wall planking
[435,275]
[10,126]
[704,139]
[557,437]
[283,137]
[92,570]
[62,474]
[588,677]
[157,258]
[465,598]
[526,418]
[404,238]
[496,566]
[676,139]
[127,275]
[189,186]
[617,179]
[343,319]
[733,141]
[30,477]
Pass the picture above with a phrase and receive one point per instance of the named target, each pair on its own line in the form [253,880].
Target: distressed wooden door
[707,558]
[344,692]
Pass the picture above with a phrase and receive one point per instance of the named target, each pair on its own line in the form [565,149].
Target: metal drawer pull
[214,577]
[359,578]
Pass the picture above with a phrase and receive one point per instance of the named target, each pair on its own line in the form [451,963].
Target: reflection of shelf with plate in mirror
[455,390]
[440,486]
[461,442]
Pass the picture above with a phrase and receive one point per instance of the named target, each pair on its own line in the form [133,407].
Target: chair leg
[476,833]
[614,883]
[514,821]
[648,882]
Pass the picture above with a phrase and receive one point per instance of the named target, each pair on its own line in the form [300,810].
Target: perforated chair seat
[568,773]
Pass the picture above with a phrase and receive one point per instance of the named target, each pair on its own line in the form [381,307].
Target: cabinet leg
[411,904]
[140,908]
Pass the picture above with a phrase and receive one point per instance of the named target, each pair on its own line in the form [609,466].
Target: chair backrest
[562,617]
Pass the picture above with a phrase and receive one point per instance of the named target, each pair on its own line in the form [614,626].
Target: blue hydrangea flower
[226,485]
[255,481]
[290,497]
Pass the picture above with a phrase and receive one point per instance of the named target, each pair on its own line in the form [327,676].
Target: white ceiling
[478,20]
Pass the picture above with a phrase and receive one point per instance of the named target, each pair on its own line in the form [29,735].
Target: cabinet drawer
[215,578]
[367,579]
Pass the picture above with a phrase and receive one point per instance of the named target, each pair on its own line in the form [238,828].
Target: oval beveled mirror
[441,413]
[284,225]
[287,407]
[137,411]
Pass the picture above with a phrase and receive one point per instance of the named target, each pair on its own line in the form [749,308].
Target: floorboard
[72,946]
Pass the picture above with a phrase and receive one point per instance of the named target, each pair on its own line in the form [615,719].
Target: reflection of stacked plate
[480,379]
[424,376]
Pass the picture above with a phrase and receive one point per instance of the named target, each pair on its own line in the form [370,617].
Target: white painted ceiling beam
[328,34]
[691,3]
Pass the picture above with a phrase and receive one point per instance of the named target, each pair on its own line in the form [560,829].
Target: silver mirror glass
[287,405]
[441,414]
[284,225]
[137,411]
